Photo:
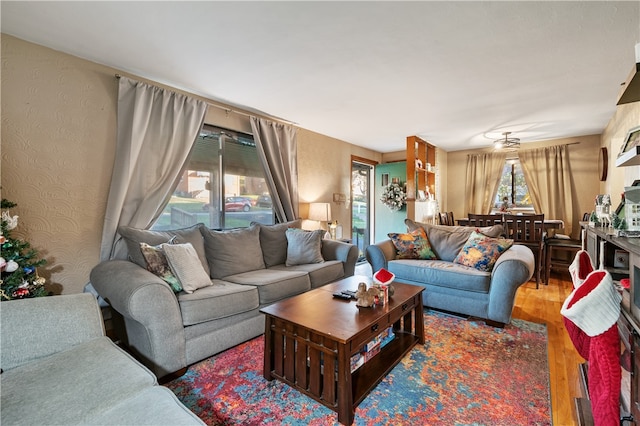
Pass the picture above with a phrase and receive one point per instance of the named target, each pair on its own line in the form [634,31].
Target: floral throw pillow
[482,252]
[414,245]
[158,264]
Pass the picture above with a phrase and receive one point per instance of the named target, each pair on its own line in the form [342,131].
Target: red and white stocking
[590,315]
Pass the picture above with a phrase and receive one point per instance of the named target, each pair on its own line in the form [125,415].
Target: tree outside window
[513,186]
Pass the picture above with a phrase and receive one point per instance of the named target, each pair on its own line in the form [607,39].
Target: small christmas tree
[18,262]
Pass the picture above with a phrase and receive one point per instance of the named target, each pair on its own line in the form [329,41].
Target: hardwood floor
[543,306]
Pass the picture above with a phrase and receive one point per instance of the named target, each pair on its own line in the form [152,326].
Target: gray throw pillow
[133,237]
[233,251]
[447,241]
[273,241]
[304,247]
[186,266]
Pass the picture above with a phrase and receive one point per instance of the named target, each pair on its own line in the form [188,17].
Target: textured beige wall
[58,140]
[58,145]
[324,168]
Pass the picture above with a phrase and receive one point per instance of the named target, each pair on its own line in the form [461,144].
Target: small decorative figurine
[366,296]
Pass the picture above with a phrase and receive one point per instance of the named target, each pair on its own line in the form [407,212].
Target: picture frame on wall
[385,179]
[632,140]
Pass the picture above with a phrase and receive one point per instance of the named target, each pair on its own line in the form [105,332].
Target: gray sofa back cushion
[447,241]
[273,241]
[304,247]
[133,237]
[233,251]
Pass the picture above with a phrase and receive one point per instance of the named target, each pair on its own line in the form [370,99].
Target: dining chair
[527,230]
[481,220]
[559,252]
[446,218]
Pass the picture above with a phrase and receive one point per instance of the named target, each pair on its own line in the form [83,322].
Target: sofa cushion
[152,406]
[274,284]
[273,241]
[133,237]
[413,245]
[440,273]
[303,246]
[186,266]
[447,241]
[98,374]
[319,273]
[482,252]
[158,264]
[219,300]
[233,251]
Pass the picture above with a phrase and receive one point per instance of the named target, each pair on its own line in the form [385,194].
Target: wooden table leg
[346,410]
[419,315]
[268,353]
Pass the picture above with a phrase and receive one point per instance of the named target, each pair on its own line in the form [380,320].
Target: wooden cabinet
[621,257]
[421,171]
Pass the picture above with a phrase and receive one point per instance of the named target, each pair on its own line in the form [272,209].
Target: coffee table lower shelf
[363,380]
[367,377]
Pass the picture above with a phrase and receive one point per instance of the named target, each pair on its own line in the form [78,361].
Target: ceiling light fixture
[506,142]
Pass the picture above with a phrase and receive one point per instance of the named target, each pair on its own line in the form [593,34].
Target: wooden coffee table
[313,333]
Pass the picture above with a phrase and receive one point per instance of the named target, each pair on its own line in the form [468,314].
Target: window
[221,162]
[514,187]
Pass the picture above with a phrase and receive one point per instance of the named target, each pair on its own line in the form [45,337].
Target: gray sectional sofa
[245,269]
[489,295]
[59,368]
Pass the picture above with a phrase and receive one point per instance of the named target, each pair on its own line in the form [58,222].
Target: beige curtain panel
[548,175]
[482,180]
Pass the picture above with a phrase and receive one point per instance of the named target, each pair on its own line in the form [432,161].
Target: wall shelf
[419,178]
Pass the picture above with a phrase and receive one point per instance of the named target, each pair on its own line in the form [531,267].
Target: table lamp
[320,212]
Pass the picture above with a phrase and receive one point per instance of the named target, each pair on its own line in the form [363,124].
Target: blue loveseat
[453,287]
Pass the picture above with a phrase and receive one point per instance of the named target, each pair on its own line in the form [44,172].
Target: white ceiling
[370,73]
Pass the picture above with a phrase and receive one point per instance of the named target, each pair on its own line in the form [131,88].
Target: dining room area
[541,235]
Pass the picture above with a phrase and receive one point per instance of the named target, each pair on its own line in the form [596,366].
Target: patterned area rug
[467,373]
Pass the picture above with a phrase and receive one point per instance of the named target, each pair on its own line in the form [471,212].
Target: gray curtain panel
[157,129]
[277,149]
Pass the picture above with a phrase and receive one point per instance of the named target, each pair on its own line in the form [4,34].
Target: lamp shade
[320,212]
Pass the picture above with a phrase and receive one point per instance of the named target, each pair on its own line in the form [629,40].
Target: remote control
[342,296]
[350,293]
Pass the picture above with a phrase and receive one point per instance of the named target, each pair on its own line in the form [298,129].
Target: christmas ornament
[12,221]
[12,266]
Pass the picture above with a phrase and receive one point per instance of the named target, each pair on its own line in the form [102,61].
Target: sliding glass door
[361,211]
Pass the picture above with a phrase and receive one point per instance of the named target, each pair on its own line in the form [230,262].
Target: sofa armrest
[379,254]
[345,252]
[151,313]
[39,327]
[513,268]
